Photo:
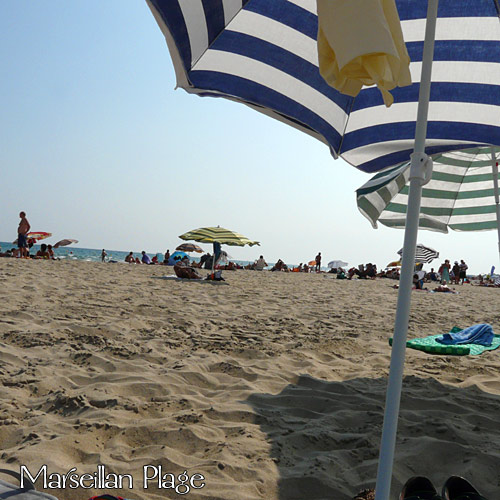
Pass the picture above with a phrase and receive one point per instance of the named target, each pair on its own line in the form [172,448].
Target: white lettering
[146,477]
[197,477]
[42,470]
[86,477]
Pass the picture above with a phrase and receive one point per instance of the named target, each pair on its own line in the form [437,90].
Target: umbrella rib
[209,46]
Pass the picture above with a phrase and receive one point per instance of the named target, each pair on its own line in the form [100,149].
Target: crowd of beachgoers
[184,267]
[445,276]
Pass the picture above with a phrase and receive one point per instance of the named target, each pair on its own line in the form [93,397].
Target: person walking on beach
[318,262]
[22,232]
[103,255]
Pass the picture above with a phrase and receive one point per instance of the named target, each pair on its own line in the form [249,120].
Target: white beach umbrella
[337,263]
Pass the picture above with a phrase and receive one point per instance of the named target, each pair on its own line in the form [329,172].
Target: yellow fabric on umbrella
[360,42]
[396,263]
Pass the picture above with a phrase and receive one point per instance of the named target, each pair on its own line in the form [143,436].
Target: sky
[97,145]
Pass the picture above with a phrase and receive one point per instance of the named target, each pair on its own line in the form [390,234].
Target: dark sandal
[458,488]
[419,488]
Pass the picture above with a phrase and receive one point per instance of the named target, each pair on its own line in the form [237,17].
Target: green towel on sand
[430,345]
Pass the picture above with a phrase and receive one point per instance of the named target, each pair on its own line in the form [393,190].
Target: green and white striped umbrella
[218,235]
[460,195]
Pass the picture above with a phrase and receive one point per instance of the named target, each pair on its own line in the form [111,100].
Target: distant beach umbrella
[335,264]
[175,257]
[178,255]
[38,235]
[189,247]
[35,236]
[64,243]
[423,254]
[394,263]
[218,235]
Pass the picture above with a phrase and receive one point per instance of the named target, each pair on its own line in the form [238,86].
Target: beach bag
[12,492]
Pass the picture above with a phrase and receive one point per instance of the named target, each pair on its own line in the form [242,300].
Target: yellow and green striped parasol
[218,235]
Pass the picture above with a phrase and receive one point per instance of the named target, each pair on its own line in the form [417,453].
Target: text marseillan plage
[152,476]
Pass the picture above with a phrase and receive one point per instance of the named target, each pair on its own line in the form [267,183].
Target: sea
[94,255]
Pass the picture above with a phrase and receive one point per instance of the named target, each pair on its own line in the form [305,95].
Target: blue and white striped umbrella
[263,53]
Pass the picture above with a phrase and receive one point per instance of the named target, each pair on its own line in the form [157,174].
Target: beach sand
[271,386]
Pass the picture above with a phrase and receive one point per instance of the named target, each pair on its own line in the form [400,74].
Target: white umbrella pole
[419,174]
[497,200]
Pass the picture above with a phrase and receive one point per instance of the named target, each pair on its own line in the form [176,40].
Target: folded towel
[481,334]
[361,43]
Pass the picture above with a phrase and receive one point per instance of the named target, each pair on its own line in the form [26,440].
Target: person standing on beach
[318,262]
[22,232]
[463,271]
[103,255]
[444,271]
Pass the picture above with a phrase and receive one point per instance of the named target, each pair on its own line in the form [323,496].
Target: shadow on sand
[325,436]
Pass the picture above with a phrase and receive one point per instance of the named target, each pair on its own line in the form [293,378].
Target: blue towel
[481,334]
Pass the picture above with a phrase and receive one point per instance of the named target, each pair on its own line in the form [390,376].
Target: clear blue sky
[95,144]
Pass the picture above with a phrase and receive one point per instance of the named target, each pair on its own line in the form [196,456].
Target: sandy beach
[270,386]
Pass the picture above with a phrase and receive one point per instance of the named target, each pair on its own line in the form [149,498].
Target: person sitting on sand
[51,252]
[183,270]
[145,258]
[279,266]
[433,275]
[360,272]
[43,253]
[260,264]
[371,271]
[154,260]
[130,258]
[417,282]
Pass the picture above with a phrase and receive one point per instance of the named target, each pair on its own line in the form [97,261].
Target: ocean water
[94,255]
[76,253]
